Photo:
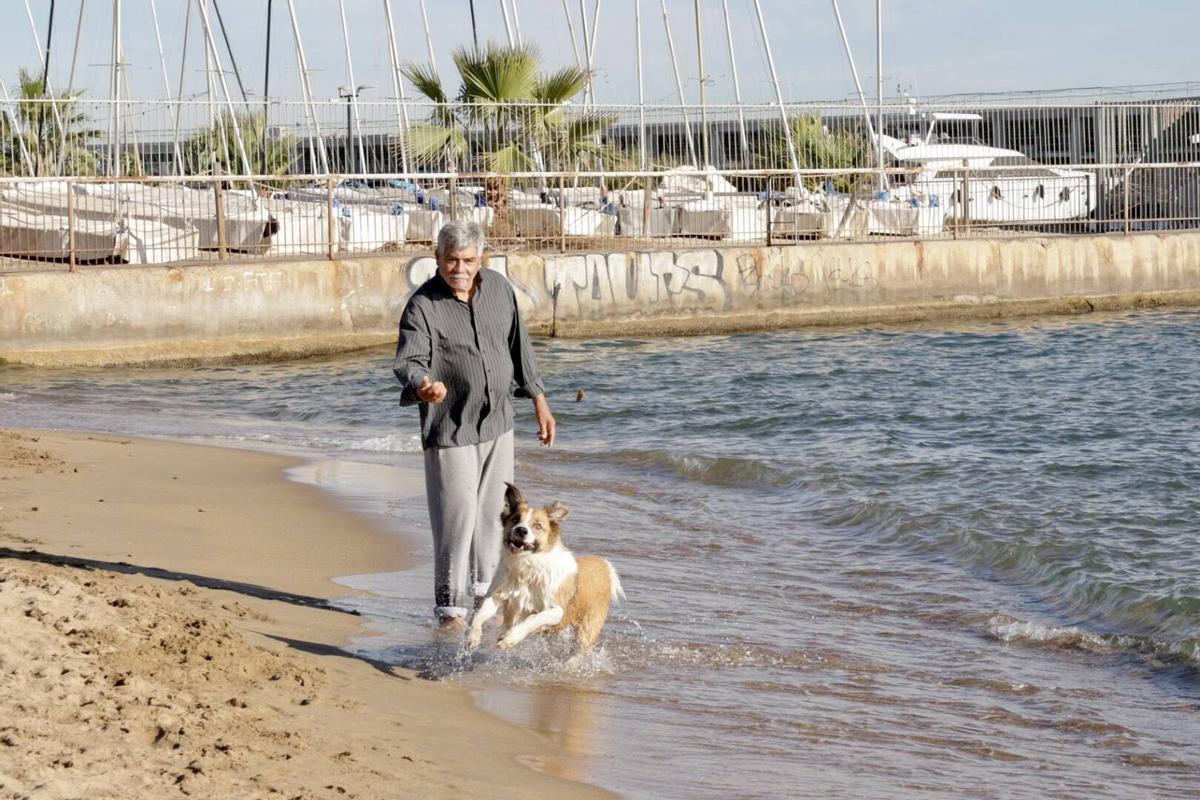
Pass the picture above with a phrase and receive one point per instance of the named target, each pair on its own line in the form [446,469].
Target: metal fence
[162,182]
[143,138]
[67,224]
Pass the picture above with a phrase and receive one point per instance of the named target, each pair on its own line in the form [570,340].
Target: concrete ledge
[226,312]
[778,319]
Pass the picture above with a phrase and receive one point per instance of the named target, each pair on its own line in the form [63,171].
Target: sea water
[889,562]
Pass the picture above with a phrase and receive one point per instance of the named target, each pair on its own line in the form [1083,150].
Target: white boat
[1003,186]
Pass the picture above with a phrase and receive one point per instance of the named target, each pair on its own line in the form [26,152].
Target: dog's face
[528,529]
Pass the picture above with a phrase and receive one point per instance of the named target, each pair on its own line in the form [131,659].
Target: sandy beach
[165,631]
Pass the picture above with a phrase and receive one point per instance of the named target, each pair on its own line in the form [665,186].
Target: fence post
[1125,192]
[647,205]
[966,198]
[331,220]
[71,258]
[453,198]
[770,184]
[222,250]
[562,215]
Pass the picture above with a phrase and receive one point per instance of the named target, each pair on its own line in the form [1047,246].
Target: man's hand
[431,392]
[545,420]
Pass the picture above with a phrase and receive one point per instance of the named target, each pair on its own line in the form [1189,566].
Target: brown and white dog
[540,584]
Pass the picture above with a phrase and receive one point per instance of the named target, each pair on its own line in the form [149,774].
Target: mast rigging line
[47,89]
[162,60]
[237,73]
[354,88]
[687,123]
[306,89]
[237,128]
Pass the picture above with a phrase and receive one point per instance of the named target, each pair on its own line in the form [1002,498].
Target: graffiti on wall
[596,285]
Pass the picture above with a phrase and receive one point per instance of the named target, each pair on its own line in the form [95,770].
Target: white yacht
[1004,187]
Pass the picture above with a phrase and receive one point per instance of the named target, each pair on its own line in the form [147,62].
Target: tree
[816,148]
[506,117]
[42,141]
[220,141]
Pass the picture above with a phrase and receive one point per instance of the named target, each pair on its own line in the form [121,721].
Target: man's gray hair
[457,235]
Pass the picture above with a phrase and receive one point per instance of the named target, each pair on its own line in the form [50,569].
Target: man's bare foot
[451,624]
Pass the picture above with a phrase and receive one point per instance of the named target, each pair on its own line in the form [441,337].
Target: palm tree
[267,156]
[816,148]
[520,120]
[43,141]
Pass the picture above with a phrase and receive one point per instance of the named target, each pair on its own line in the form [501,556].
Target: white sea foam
[391,443]
[7,396]
[1007,629]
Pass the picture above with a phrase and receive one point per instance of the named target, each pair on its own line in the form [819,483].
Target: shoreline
[222,535]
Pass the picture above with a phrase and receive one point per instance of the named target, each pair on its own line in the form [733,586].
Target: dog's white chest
[531,583]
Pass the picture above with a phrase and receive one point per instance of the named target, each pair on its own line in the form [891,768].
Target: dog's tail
[618,594]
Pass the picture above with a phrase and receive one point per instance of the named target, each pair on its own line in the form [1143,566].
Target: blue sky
[930,47]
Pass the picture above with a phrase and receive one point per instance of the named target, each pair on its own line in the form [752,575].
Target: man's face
[459,267]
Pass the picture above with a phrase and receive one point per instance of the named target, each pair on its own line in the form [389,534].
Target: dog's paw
[508,641]
[474,637]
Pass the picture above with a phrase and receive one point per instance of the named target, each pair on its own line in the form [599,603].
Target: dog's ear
[512,499]
[557,512]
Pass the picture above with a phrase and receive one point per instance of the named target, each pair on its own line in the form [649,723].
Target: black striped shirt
[478,349]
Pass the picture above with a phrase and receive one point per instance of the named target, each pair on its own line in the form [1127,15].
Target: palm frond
[511,158]
[559,87]
[426,81]
[497,74]
[426,144]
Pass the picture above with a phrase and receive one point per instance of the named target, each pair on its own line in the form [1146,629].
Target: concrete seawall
[192,314]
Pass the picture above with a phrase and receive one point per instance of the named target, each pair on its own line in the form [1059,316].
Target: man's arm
[527,376]
[414,357]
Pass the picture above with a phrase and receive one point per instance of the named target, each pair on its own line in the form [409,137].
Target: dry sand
[164,632]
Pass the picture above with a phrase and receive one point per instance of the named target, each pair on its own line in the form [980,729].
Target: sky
[930,48]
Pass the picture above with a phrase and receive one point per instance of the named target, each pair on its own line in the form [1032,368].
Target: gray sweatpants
[465,489]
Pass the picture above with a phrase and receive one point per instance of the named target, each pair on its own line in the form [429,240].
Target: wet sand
[165,631]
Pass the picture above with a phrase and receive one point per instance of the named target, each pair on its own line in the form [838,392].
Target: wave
[388,443]
[1009,629]
[713,470]
[7,396]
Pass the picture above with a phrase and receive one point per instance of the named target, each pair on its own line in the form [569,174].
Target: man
[462,346]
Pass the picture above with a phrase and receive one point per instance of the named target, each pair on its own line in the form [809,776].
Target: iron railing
[80,221]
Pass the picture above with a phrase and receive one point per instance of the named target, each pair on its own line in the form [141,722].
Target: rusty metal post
[331,221]
[71,257]
[770,185]
[562,215]
[647,205]
[966,198]
[222,248]
[1127,204]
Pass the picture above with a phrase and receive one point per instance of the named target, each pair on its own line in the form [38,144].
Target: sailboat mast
[62,133]
[162,60]
[507,24]
[211,44]
[571,29]
[687,123]
[637,22]
[398,83]
[306,90]
[862,97]
[704,148]
[879,92]
[187,24]
[354,88]
[114,95]
[787,128]
[737,87]
[517,23]
[266,123]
